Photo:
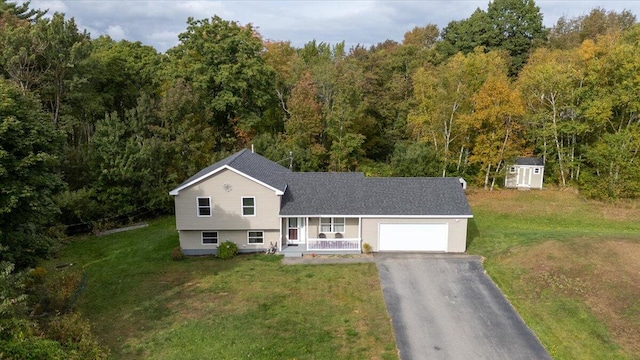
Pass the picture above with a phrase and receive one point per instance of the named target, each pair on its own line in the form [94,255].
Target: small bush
[74,333]
[177,254]
[37,276]
[227,250]
[366,248]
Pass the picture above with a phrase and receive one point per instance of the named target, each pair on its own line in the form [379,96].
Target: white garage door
[413,237]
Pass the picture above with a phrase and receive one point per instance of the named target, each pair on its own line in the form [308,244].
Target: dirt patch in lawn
[602,273]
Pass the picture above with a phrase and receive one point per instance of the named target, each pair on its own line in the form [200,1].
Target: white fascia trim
[224,167]
[386,216]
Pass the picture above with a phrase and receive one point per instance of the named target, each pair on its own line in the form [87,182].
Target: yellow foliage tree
[495,126]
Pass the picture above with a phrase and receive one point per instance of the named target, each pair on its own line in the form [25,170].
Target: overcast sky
[366,22]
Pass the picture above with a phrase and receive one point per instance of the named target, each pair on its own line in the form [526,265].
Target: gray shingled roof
[319,193]
[529,161]
[354,194]
[254,165]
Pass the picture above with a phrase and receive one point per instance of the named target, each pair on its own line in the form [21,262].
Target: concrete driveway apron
[446,307]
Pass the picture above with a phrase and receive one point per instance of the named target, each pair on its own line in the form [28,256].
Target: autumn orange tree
[494,127]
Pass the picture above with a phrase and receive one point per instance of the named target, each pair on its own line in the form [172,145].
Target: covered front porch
[320,235]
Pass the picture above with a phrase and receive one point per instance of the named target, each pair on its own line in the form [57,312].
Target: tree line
[95,130]
[100,129]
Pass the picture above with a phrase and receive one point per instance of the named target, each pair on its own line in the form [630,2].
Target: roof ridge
[235,156]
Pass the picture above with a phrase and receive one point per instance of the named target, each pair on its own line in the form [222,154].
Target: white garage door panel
[413,237]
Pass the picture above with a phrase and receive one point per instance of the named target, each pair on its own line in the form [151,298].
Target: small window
[536,171]
[248,206]
[512,170]
[256,237]
[209,237]
[325,225]
[204,206]
[332,225]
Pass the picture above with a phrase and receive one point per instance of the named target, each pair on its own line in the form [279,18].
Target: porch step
[292,253]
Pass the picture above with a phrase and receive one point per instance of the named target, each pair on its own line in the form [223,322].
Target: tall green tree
[551,85]
[611,108]
[222,60]
[29,159]
[20,11]
[66,47]
[511,25]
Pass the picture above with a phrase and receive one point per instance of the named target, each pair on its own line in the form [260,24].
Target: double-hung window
[255,237]
[209,237]
[512,170]
[248,206]
[536,171]
[332,225]
[204,206]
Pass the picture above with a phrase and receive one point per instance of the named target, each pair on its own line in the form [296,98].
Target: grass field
[142,304]
[571,267]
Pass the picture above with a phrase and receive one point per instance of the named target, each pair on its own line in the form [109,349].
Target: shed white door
[413,237]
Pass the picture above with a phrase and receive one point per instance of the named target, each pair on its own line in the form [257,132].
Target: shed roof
[530,161]
[246,162]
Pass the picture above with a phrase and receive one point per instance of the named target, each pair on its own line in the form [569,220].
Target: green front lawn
[568,265]
[142,304]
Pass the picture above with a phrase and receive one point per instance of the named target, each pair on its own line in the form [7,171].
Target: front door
[295,230]
[524,177]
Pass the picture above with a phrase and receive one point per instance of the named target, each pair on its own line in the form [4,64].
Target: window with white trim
[332,225]
[248,206]
[255,237]
[209,237]
[204,206]
[512,170]
[536,171]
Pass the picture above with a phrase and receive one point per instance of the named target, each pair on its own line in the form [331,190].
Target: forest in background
[95,132]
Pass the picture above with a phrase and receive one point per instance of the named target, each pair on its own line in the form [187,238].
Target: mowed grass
[570,266]
[142,304]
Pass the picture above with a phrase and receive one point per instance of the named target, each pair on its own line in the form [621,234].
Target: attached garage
[413,237]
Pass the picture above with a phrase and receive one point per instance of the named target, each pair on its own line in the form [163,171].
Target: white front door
[524,177]
[295,230]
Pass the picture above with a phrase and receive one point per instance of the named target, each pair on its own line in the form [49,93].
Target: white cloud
[367,22]
[116,32]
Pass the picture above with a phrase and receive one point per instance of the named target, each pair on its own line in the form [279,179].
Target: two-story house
[255,202]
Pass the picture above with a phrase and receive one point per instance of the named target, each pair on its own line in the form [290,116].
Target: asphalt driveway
[446,307]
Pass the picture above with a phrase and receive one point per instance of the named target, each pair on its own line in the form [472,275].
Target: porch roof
[353,194]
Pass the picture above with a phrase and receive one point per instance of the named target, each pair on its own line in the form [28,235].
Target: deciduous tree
[29,159]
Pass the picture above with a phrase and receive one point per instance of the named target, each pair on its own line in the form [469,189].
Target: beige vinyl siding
[511,179]
[226,206]
[350,227]
[192,240]
[536,179]
[457,230]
